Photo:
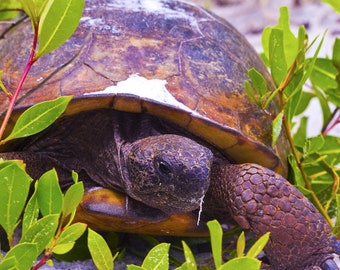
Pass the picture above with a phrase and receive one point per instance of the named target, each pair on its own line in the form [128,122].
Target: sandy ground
[250,17]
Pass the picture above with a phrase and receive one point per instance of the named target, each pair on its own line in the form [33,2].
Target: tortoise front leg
[261,200]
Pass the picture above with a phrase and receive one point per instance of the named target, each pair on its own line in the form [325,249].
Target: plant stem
[302,171]
[43,260]
[15,96]
[287,128]
[332,122]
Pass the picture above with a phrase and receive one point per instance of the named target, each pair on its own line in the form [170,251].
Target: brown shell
[201,58]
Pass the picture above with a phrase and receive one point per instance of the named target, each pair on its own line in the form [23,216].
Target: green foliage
[100,251]
[58,21]
[158,257]
[38,117]
[313,160]
[52,21]
[45,232]
[216,234]
[15,185]
[9,9]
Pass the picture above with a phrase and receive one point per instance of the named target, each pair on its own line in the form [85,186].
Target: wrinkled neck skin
[123,151]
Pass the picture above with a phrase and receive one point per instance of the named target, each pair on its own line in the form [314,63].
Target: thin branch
[15,96]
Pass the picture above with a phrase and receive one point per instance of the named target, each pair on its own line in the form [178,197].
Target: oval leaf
[71,233]
[216,234]
[72,198]
[189,257]
[41,232]
[49,195]
[63,248]
[38,117]
[100,252]
[24,255]
[241,244]
[277,127]
[31,212]
[58,22]
[14,182]
[241,263]
[258,245]
[157,258]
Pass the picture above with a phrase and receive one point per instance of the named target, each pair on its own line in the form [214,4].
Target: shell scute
[202,58]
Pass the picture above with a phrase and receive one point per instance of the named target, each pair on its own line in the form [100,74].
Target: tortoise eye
[164,168]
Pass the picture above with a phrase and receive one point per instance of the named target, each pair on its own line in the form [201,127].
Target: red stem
[41,263]
[334,120]
[15,96]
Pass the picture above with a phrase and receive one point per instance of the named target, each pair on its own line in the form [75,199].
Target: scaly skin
[261,200]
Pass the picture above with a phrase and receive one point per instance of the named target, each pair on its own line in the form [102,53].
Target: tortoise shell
[171,59]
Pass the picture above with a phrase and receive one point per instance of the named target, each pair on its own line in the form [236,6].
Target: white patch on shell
[152,89]
[99,24]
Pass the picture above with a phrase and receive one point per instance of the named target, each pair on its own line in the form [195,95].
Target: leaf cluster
[299,80]
[158,257]
[45,219]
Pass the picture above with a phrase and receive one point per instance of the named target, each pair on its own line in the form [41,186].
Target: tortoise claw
[337,247]
[329,265]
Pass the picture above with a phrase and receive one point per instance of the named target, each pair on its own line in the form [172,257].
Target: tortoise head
[168,172]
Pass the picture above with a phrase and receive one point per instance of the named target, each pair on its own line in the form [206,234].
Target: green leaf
[331,149]
[277,127]
[59,20]
[258,81]
[290,42]
[30,9]
[297,177]
[6,8]
[38,117]
[333,96]
[31,211]
[157,258]
[24,254]
[9,263]
[134,267]
[241,244]
[303,102]
[72,198]
[216,234]
[301,134]
[241,263]
[67,238]
[100,252]
[313,145]
[334,3]
[49,195]
[41,232]
[336,53]
[250,91]
[336,229]
[190,263]
[324,74]
[14,182]
[258,246]
[323,102]
[277,60]
[280,46]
